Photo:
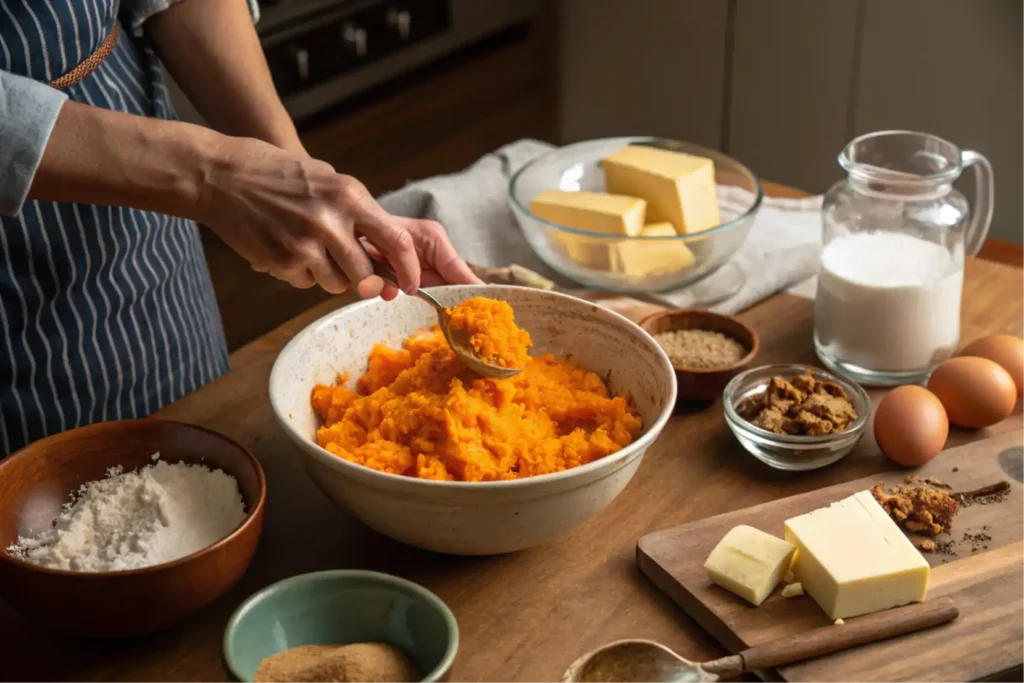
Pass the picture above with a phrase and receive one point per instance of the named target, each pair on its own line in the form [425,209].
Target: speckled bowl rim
[626,454]
[627,140]
[344,575]
[734,419]
[255,510]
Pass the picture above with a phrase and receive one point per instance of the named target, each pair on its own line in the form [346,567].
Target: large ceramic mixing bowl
[474,518]
[597,259]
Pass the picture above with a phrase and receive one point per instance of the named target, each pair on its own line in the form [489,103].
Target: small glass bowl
[787,451]
[586,257]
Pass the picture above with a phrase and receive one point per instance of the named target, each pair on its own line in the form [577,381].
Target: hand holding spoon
[645,660]
[458,341]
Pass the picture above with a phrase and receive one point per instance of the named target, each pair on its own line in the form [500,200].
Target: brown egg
[976,392]
[1004,349]
[911,425]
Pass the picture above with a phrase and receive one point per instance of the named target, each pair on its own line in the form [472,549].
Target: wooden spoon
[645,660]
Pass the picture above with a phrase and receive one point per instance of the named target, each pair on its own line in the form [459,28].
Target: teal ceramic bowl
[341,607]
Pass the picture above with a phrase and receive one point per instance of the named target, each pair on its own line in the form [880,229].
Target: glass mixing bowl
[583,256]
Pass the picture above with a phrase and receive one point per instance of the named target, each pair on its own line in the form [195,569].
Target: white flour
[128,521]
[888,301]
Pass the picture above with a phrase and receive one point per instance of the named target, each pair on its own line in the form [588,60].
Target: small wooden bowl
[37,480]
[704,384]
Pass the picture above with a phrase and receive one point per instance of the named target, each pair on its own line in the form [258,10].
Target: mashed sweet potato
[493,334]
[418,412]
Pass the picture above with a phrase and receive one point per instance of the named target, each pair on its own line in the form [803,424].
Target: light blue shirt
[29,109]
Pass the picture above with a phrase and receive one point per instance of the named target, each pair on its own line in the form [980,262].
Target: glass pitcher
[894,236]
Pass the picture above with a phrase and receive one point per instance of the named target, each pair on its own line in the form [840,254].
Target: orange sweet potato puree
[418,412]
[492,331]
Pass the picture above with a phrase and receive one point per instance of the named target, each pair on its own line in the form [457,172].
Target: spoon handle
[828,639]
[388,276]
[384,273]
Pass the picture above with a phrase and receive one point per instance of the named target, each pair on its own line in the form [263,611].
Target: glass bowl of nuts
[795,417]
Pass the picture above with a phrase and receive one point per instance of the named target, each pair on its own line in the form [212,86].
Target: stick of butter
[749,563]
[853,559]
[679,188]
[641,258]
[595,211]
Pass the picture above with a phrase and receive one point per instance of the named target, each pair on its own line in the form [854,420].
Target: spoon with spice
[459,337]
[646,660]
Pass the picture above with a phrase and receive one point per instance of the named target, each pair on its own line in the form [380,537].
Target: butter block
[679,188]
[586,251]
[641,259]
[853,559]
[595,211]
[749,563]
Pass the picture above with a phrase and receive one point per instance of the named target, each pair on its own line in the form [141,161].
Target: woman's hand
[298,220]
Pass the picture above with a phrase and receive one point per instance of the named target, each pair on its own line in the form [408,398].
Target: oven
[322,52]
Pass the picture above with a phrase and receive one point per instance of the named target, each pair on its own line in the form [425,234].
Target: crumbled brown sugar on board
[918,509]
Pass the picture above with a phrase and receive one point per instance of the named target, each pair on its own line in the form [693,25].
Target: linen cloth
[781,250]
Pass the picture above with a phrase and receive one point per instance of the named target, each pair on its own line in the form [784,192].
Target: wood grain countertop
[523,616]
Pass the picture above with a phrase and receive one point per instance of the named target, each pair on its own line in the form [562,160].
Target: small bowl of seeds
[706,349]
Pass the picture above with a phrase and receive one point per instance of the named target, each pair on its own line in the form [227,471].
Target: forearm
[212,50]
[96,156]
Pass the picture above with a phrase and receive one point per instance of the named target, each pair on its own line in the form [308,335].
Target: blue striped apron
[105,313]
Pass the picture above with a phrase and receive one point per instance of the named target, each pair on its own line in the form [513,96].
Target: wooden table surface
[523,616]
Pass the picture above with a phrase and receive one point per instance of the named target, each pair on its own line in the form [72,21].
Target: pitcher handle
[984,192]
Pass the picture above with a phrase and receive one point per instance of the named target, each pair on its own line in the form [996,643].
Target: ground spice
[355,663]
[986,495]
[978,540]
[938,547]
[700,349]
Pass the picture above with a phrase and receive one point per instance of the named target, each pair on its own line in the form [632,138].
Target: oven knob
[400,21]
[355,39]
[301,57]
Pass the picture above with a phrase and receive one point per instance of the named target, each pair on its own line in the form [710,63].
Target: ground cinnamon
[355,663]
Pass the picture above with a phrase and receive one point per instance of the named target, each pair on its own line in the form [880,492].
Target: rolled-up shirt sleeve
[28,110]
[138,11]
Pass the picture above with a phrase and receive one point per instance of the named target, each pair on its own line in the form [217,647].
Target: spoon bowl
[459,342]
[646,660]
[634,660]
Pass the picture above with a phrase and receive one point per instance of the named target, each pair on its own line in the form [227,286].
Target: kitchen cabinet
[783,85]
[642,67]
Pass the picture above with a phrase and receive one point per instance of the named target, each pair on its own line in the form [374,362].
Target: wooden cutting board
[982,575]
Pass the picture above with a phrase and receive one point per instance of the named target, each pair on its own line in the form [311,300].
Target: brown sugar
[801,405]
[355,663]
[918,509]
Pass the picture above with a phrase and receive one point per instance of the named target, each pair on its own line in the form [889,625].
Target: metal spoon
[646,660]
[459,341]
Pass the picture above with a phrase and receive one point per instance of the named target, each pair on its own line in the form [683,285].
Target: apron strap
[89,64]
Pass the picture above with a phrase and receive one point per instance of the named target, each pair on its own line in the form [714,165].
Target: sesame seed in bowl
[707,349]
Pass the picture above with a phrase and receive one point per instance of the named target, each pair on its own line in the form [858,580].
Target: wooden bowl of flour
[37,481]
